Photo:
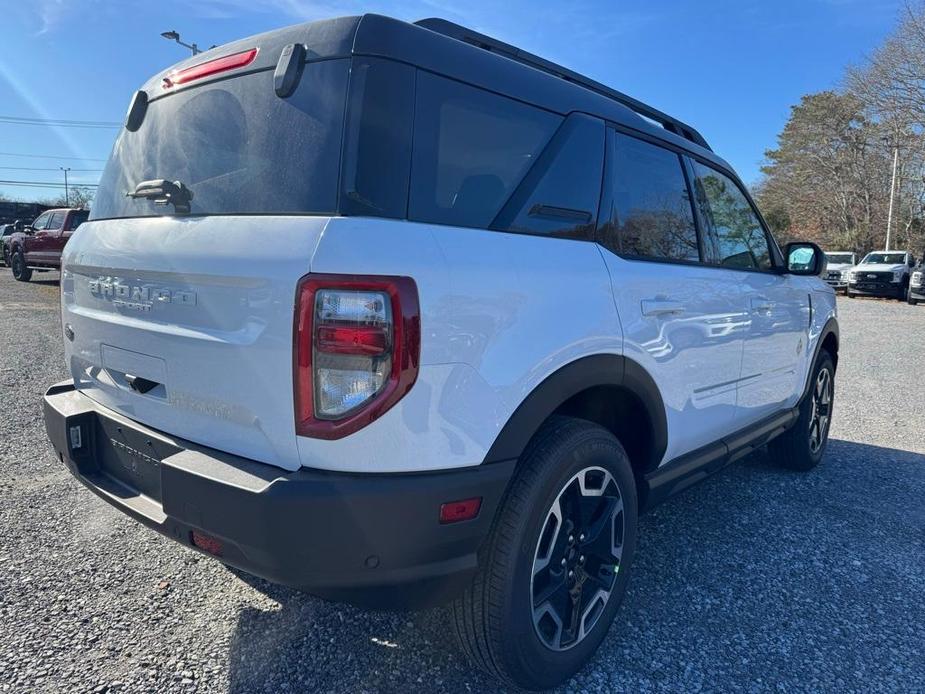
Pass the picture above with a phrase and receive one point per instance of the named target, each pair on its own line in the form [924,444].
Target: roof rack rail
[461,33]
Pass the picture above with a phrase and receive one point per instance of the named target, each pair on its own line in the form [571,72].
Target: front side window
[736,237]
[471,148]
[651,214]
[41,221]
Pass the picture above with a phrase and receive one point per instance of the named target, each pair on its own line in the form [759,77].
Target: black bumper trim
[369,539]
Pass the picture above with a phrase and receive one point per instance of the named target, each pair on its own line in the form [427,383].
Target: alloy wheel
[820,416]
[577,558]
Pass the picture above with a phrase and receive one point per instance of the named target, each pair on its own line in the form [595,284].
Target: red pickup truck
[39,246]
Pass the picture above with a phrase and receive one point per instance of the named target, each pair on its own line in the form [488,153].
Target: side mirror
[805,258]
[29,230]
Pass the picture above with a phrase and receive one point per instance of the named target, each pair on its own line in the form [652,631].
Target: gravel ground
[757,579]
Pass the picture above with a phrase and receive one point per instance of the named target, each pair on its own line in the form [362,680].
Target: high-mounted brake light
[356,352]
[210,67]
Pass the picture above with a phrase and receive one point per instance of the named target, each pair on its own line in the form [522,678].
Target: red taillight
[351,340]
[356,352]
[210,67]
[455,511]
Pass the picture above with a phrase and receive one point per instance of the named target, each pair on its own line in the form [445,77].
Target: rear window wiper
[161,191]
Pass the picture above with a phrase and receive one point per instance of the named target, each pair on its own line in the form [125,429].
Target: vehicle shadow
[758,575]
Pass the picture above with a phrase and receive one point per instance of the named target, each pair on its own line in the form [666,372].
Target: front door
[778,306]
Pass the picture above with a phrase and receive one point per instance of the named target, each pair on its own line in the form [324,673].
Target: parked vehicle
[496,310]
[881,273]
[6,232]
[839,264]
[917,283]
[39,246]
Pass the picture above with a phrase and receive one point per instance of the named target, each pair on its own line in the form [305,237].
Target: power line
[47,156]
[47,184]
[17,120]
[30,168]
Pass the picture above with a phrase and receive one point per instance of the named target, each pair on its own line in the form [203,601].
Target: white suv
[398,314]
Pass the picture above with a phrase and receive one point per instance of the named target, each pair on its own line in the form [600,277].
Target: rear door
[777,342]
[683,321]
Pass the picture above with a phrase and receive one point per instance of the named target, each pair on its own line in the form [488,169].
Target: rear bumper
[368,539]
[917,293]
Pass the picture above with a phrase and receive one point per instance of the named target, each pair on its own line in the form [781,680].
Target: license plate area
[131,456]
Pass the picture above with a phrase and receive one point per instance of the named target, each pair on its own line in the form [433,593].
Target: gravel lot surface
[758,579]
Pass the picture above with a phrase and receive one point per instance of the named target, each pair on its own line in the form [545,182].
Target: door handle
[760,304]
[661,307]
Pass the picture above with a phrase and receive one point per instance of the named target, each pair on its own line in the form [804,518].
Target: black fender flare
[571,379]
[830,328]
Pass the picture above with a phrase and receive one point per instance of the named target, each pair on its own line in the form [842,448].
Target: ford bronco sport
[496,310]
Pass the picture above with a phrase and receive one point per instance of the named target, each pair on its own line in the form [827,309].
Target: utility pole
[889,217]
[174,36]
[67,198]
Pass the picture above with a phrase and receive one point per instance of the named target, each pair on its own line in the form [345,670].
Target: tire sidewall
[17,265]
[824,361]
[524,647]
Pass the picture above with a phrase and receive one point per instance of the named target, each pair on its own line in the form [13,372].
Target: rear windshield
[237,146]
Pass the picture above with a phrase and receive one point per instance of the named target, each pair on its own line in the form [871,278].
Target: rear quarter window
[471,148]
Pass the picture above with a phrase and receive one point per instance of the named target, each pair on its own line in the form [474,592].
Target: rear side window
[56,221]
[560,194]
[735,236]
[651,212]
[471,149]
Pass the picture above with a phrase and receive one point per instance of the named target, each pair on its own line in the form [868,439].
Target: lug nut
[563,561]
[581,538]
[571,574]
[581,559]
[571,539]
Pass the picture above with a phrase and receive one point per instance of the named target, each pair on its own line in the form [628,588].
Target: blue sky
[730,68]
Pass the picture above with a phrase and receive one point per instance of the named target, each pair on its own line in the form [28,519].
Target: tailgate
[185,325]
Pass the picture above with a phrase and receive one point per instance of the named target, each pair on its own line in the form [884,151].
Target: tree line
[829,178]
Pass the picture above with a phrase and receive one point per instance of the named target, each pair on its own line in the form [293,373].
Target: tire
[848,294]
[910,300]
[497,621]
[903,293]
[802,446]
[20,270]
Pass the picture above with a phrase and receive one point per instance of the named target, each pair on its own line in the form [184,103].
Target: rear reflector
[206,543]
[455,511]
[210,67]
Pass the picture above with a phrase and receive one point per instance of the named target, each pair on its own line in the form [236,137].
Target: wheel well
[830,345]
[621,412]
